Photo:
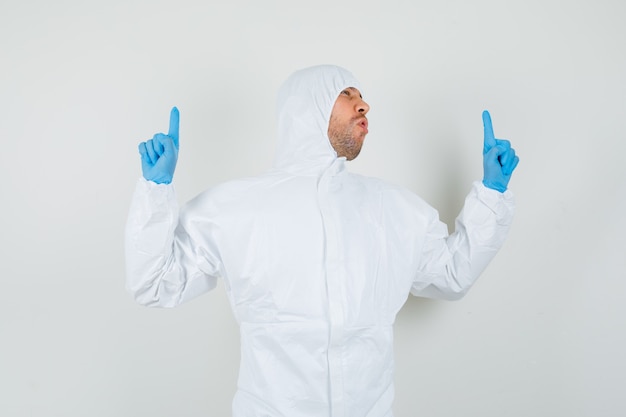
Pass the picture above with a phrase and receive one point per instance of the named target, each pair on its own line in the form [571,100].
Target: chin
[353,156]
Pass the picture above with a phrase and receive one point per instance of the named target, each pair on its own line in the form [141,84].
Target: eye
[346,92]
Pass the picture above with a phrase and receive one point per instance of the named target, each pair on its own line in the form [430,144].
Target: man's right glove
[159,154]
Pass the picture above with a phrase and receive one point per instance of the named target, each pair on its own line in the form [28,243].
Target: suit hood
[304,104]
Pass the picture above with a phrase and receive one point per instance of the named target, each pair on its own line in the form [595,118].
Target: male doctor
[316,261]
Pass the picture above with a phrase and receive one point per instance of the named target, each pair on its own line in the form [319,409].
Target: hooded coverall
[316,262]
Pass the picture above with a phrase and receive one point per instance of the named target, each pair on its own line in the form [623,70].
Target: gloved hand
[499,159]
[159,154]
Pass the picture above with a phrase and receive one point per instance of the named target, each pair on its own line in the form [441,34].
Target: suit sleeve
[449,265]
[165,264]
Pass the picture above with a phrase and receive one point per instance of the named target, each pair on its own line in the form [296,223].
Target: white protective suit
[316,262]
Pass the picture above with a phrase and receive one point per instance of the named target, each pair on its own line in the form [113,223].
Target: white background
[82,82]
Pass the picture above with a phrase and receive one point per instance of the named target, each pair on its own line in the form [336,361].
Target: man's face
[348,124]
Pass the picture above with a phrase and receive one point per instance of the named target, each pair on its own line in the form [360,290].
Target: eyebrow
[352,89]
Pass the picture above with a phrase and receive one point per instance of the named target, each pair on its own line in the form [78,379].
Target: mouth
[363,124]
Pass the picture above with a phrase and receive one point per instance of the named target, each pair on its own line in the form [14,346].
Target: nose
[363,107]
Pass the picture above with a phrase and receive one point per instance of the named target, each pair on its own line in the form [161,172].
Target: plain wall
[542,333]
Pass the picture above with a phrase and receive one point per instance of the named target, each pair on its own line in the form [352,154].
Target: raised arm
[452,264]
[165,265]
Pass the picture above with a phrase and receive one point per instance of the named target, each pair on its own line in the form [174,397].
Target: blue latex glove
[159,154]
[499,159]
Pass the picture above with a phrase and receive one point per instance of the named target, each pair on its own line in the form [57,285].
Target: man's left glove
[499,159]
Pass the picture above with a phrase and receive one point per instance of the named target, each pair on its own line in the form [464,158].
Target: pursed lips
[362,121]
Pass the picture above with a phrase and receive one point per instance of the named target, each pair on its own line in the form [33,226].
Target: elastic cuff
[494,199]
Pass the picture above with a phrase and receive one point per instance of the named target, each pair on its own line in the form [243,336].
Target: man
[316,261]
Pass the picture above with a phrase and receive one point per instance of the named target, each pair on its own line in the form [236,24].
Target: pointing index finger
[174,125]
[490,140]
